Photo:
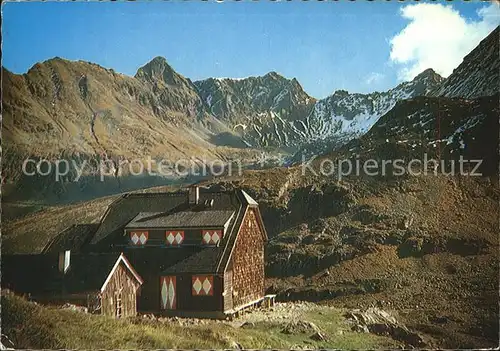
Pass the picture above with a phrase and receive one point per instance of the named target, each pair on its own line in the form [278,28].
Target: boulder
[319,336]
[380,322]
[300,327]
[72,307]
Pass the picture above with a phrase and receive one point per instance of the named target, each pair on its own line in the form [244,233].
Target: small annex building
[104,283]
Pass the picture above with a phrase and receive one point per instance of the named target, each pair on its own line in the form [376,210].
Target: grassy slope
[33,326]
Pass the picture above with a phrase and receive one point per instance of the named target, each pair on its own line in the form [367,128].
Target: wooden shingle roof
[204,261]
[124,209]
[73,238]
[181,219]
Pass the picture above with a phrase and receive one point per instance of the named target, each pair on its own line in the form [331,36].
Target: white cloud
[373,77]
[438,37]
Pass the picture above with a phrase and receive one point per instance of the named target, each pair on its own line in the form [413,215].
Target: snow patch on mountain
[344,116]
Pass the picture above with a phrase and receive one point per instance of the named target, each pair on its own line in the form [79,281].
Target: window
[139,238]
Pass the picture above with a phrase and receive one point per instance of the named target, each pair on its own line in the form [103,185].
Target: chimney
[194,195]
[64,258]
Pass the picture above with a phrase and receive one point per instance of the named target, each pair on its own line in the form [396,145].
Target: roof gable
[126,263]
[250,201]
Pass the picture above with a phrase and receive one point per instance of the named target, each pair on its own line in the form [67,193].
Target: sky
[357,46]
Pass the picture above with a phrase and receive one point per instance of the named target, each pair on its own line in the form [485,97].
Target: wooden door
[118,304]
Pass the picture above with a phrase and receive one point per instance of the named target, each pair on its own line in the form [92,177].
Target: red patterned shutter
[211,237]
[139,238]
[168,293]
[174,237]
[202,285]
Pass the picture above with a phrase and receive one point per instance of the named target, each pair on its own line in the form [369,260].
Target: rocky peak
[340,92]
[171,90]
[252,95]
[274,75]
[429,74]
[260,108]
[158,69]
[422,85]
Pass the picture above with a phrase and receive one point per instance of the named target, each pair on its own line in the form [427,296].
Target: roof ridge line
[167,193]
[241,207]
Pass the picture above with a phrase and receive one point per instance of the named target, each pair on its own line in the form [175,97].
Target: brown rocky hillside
[425,248]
